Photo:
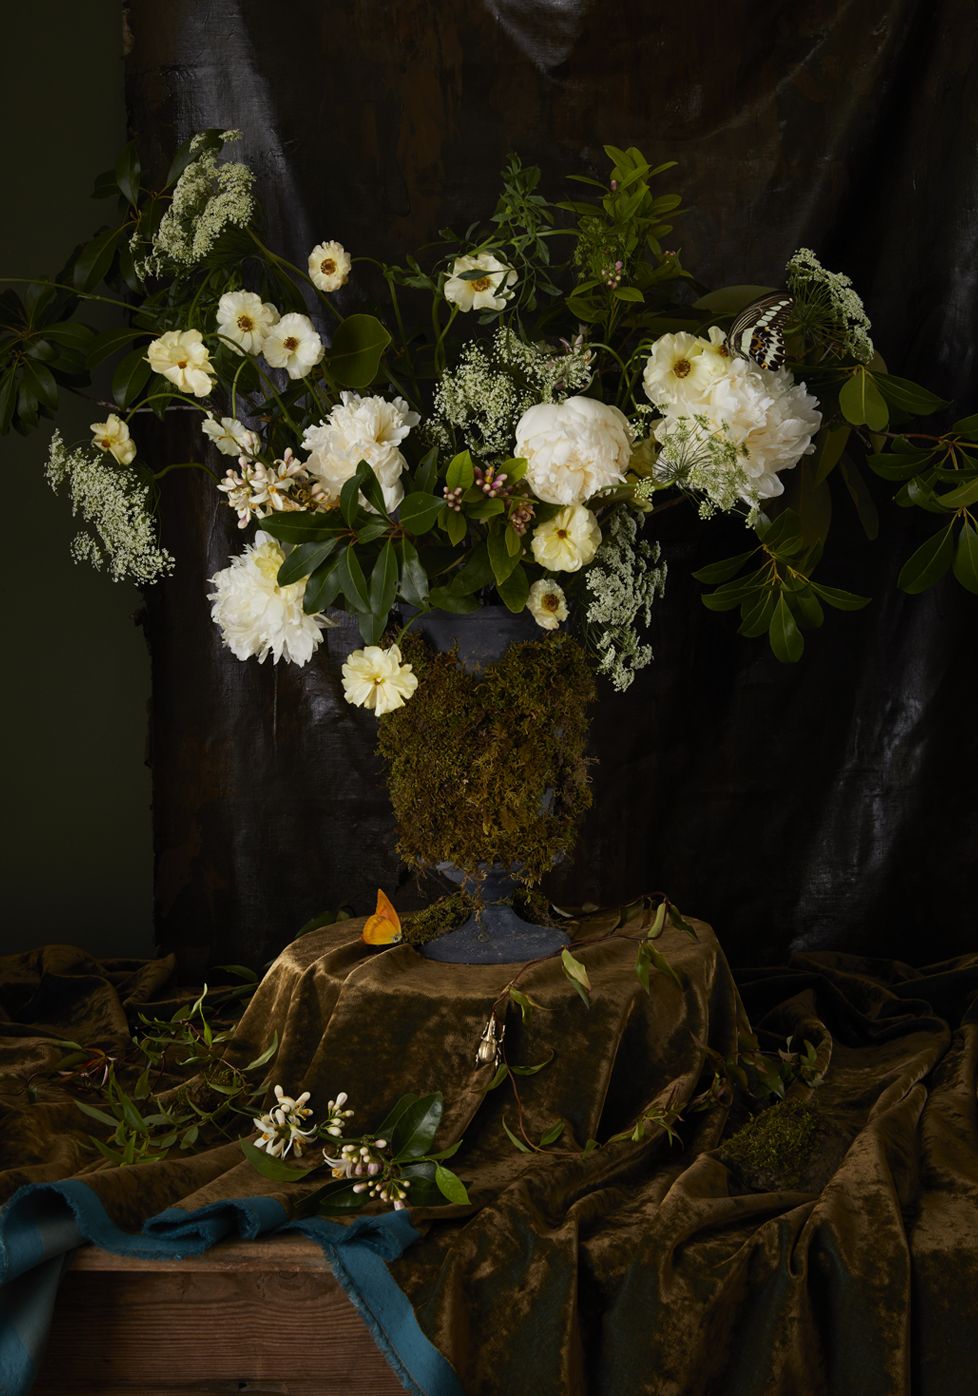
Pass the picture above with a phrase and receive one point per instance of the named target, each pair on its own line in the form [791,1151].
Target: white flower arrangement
[257,617]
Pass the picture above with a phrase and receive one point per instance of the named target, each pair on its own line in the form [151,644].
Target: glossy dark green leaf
[447,599]
[461,472]
[723,570]
[302,527]
[450,1185]
[958,498]
[130,377]
[840,600]
[830,444]
[353,584]
[784,635]
[756,612]
[414,579]
[375,527]
[383,580]
[272,1168]
[516,1142]
[631,295]
[419,510]
[806,609]
[731,300]
[551,1135]
[862,403]
[476,572]
[415,1130]
[94,261]
[42,383]
[356,351]
[400,1107]
[127,172]
[515,590]
[966,557]
[861,497]
[502,561]
[455,525]
[967,426]
[928,564]
[907,396]
[426,475]
[305,559]
[110,342]
[8,399]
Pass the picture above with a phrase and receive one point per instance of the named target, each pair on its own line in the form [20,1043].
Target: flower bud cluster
[491,483]
[453,498]
[336,1115]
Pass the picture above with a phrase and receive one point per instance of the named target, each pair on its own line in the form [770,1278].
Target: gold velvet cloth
[632,1268]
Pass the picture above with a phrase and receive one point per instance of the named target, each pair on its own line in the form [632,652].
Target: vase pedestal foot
[498,937]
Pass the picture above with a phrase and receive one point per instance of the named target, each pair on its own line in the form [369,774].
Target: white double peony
[112,435]
[361,428]
[245,320]
[568,541]
[329,266]
[490,290]
[256,615]
[378,679]
[182,357]
[766,416]
[573,449]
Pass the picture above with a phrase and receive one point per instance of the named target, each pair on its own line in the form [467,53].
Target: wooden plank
[264,1318]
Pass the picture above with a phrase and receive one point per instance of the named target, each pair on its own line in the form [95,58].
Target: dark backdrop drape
[827,804]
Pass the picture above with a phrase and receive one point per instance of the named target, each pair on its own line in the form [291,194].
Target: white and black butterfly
[758,331]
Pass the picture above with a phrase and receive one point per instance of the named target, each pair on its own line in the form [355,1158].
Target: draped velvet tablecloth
[635,1267]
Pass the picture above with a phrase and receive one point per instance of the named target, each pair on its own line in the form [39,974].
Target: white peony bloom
[568,541]
[573,449]
[245,319]
[361,428]
[112,435]
[490,291]
[231,437]
[256,615]
[681,369]
[329,266]
[547,604]
[183,358]
[294,345]
[378,679]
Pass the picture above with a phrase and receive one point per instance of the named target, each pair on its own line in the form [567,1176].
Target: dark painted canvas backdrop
[829,803]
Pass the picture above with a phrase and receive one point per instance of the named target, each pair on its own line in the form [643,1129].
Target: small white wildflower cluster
[625,580]
[359,429]
[208,198]
[489,389]
[258,617]
[828,308]
[280,1129]
[115,503]
[728,427]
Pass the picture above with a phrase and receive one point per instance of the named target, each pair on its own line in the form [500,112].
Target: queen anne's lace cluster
[209,197]
[115,504]
[625,580]
[828,307]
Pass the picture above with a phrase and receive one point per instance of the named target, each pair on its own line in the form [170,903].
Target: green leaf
[455,525]
[841,600]
[447,599]
[630,294]
[94,1113]
[967,426]
[414,1132]
[928,564]
[756,614]
[784,635]
[829,447]
[861,497]
[127,172]
[322,589]
[272,1168]
[130,377]
[42,383]
[577,974]
[265,1057]
[419,510]
[383,580]
[450,1185]
[396,1112]
[551,1135]
[517,1143]
[532,1070]
[862,403]
[907,396]
[502,560]
[476,572]
[524,1002]
[8,400]
[515,589]
[806,608]
[350,493]
[499,1076]
[95,259]
[960,497]
[965,559]
[678,920]
[731,300]
[426,475]
[304,560]
[461,472]
[353,584]
[781,533]
[414,579]
[723,570]
[658,922]
[660,962]
[356,351]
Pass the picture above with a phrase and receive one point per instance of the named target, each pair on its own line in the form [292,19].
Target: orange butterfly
[384,927]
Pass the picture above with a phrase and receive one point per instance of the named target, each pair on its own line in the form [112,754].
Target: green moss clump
[490,767]
[778,1148]
[446,914]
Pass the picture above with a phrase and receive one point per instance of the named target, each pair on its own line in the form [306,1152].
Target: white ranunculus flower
[378,679]
[547,604]
[489,291]
[294,345]
[231,437]
[112,435]
[573,448]
[245,319]
[256,615]
[329,266]
[361,428]
[183,358]
[680,371]
[568,541]
[768,416]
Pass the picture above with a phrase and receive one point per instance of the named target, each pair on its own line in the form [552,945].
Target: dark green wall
[76,842]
